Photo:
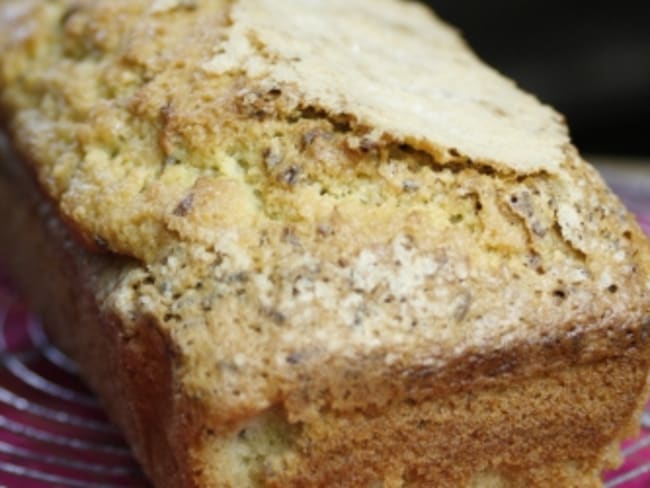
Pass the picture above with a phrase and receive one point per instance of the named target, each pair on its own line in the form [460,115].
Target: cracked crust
[178,91]
[303,249]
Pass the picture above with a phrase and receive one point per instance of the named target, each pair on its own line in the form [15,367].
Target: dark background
[590,60]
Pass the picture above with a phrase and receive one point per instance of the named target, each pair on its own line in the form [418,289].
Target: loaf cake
[301,243]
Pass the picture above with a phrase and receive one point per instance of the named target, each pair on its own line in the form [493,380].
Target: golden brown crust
[558,419]
[343,245]
[283,247]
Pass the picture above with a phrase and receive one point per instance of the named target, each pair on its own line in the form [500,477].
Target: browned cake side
[291,255]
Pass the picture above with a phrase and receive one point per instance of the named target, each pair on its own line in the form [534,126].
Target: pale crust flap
[396,68]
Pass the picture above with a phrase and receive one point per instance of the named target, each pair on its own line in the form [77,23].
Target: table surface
[54,433]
